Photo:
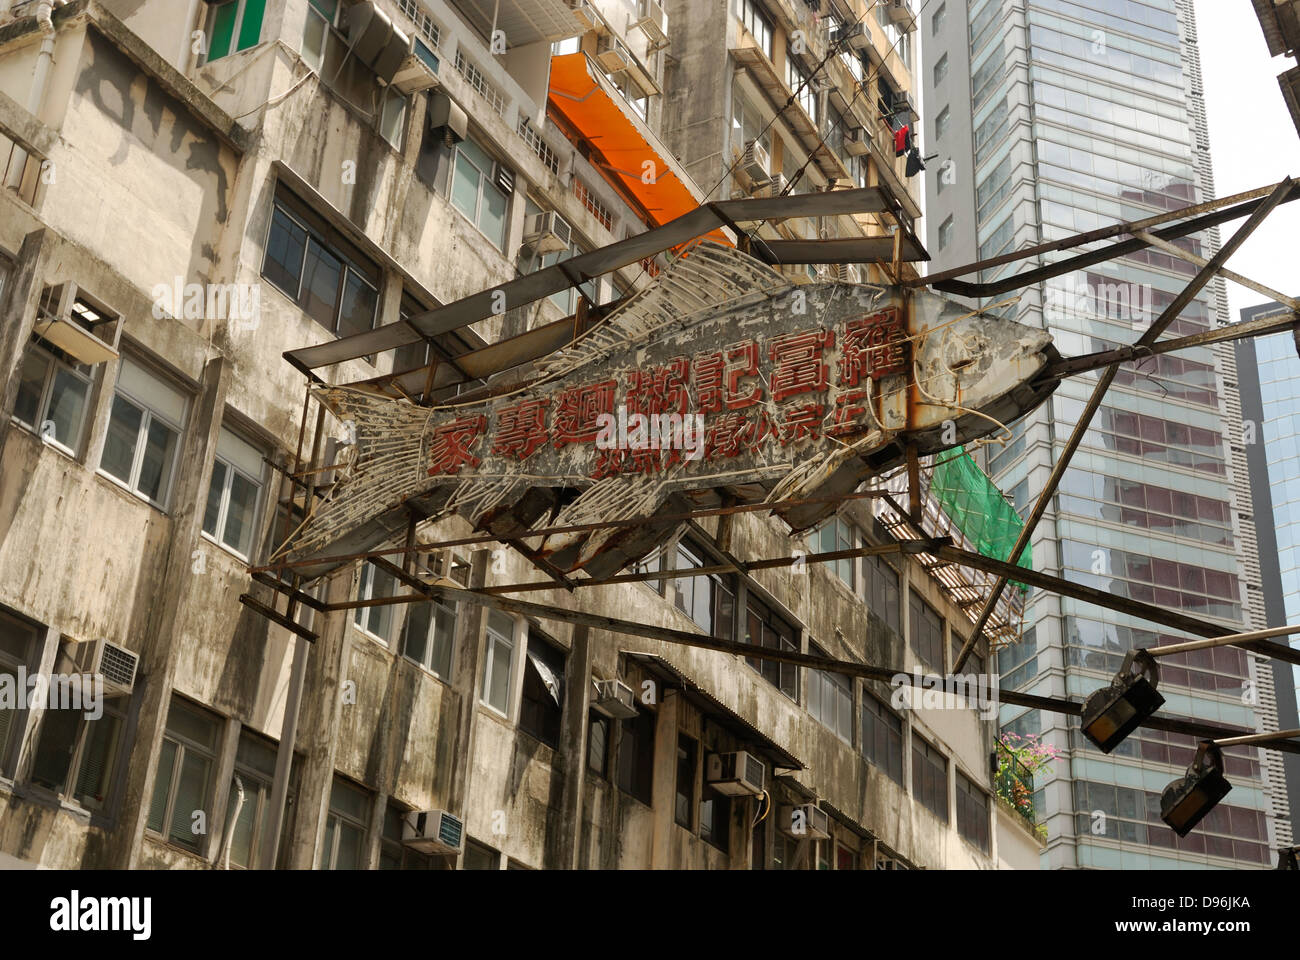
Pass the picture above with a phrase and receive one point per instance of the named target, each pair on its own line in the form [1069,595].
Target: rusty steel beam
[1262,209]
[275,616]
[584,528]
[849,668]
[1241,204]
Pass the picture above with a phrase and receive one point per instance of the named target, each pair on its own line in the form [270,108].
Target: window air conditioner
[806,822]
[547,233]
[857,36]
[447,118]
[419,71]
[612,55]
[856,142]
[755,162]
[738,774]
[433,831]
[614,699]
[585,13]
[652,19]
[772,187]
[901,16]
[115,664]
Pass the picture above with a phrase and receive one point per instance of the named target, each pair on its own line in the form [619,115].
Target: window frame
[8,664]
[264,783]
[184,745]
[931,652]
[926,754]
[893,726]
[973,811]
[792,643]
[236,29]
[642,762]
[53,364]
[485,182]
[147,417]
[491,644]
[751,14]
[688,763]
[224,503]
[334,817]
[826,683]
[366,591]
[555,711]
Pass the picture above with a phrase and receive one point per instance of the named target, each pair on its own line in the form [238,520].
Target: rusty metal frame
[1287,189]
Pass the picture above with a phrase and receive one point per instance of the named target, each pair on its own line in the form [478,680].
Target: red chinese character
[797,363]
[874,346]
[578,411]
[660,389]
[735,433]
[449,447]
[850,413]
[521,429]
[718,376]
[800,422]
[609,463]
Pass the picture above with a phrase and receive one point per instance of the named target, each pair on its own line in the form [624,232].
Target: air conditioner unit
[755,162]
[615,699]
[857,36]
[652,19]
[806,822]
[447,118]
[857,141]
[902,103]
[901,16]
[585,13]
[612,54]
[419,71]
[772,187]
[433,831]
[375,40]
[738,774]
[115,664]
[847,273]
[547,233]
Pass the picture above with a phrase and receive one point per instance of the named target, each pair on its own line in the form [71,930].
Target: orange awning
[581,94]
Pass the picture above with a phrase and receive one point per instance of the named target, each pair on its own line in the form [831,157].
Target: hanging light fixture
[1185,802]
[1113,712]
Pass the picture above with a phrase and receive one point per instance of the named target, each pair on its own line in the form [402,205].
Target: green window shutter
[223,29]
[250,31]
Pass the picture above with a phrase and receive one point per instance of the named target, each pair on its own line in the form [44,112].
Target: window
[345,827]
[430,635]
[393,854]
[319,270]
[708,600]
[936,21]
[144,433]
[375,584]
[975,663]
[183,781]
[255,767]
[927,633]
[930,778]
[636,755]
[18,642]
[235,494]
[830,701]
[715,818]
[764,628]
[541,703]
[945,232]
[52,392]
[233,26]
[882,738]
[941,123]
[838,534]
[652,562]
[321,16]
[885,593]
[684,800]
[747,124]
[940,69]
[972,813]
[757,23]
[475,193]
[529,261]
[800,83]
[598,744]
[77,756]
[498,660]
[480,857]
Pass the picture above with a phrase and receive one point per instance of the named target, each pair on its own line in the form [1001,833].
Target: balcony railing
[1015,786]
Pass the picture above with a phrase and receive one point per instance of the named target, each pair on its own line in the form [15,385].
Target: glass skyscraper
[1053,117]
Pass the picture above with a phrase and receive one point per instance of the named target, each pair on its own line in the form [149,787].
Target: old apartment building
[194,189]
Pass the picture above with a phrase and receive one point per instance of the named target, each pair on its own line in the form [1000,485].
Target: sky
[1253,141]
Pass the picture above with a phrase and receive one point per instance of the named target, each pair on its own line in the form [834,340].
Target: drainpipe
[40,79]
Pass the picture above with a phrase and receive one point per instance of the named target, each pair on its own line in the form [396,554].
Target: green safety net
[977,508]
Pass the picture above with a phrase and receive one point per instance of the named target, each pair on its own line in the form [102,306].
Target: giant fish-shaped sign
[720,378]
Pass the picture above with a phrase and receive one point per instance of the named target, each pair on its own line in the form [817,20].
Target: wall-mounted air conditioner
[447,118]
[652,20]
[80,329]
[615,699]
[900,15]
[585,13]
[857,36]
[115,664]
[805,822]
[419,71]
[856,141]
[547,232]
[738,774]
[375,40]
[433,831]
[611,54]
[771,187]
[755,163]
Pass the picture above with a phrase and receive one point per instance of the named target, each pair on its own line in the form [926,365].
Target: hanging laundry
[902,140]
[914,162]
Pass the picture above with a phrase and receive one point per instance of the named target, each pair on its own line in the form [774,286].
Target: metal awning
[523,21]
[738,725]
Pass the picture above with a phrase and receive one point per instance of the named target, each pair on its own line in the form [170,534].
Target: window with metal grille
[972,813]
[882,738]
[765,628]
[930,778]
[183,780]
[926,628]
